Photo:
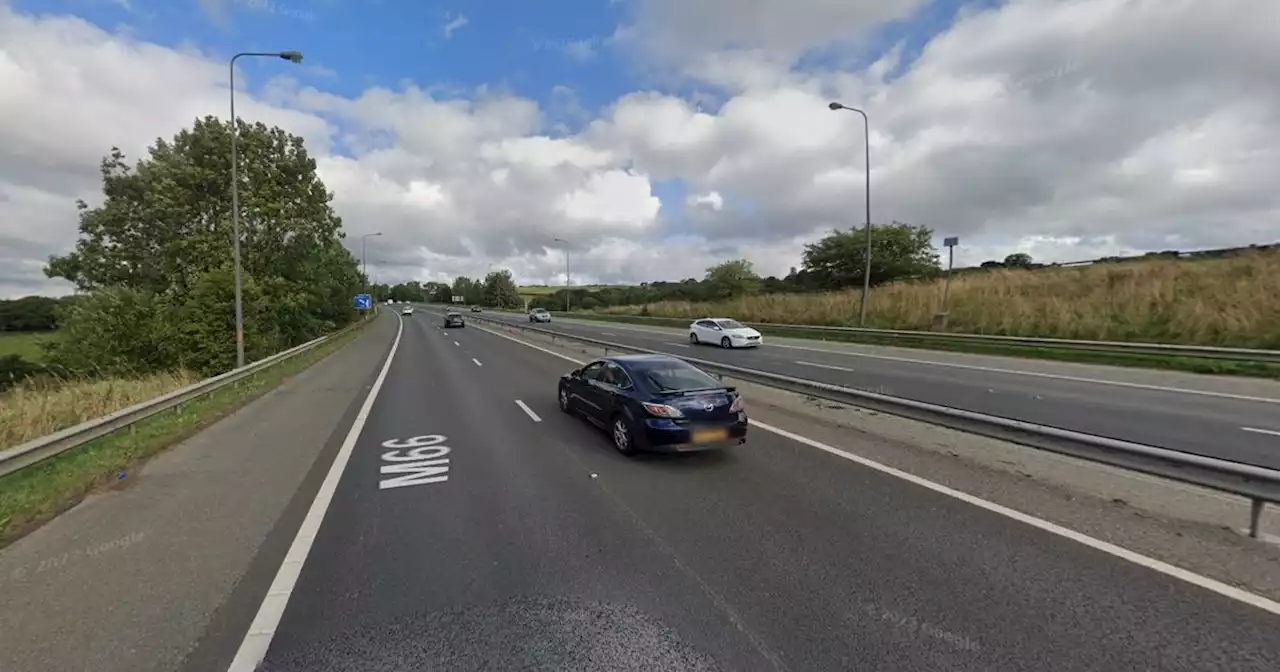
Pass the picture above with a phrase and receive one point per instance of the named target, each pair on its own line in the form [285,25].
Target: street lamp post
[364,255]
[951,244]
[567,281]
[866,273]
[292,56]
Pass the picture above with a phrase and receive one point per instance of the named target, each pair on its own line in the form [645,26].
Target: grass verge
[34,495]
[25,344]
[1185,364]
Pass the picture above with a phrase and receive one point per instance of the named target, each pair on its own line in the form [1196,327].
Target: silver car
[539,315]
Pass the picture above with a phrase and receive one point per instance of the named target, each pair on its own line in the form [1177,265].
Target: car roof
[638,359]
[717,319]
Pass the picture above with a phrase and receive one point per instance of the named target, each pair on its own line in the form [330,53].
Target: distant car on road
[539,315]
[655,402]
[724,332]
[407,310]
[476,309]
[453,319]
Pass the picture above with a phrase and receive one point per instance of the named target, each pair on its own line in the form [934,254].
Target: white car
[723,332]
[407,310]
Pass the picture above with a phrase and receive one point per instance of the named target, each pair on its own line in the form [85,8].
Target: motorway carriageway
[526,542]
[1185,417]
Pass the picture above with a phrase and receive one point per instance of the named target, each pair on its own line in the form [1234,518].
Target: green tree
[164,233]
[440,292]
[1018,260]
[732,279]
[501,291]
[898,252]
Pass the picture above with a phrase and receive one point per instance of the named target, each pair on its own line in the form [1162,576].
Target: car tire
[693,339]
[624,440]
[564,400]
[726,343]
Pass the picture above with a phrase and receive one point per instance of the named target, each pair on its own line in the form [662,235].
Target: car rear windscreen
[675,376]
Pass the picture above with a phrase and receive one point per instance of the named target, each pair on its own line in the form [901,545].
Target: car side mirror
[576,373]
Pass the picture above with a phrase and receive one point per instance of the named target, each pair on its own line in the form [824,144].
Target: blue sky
[525,47]
[453,46]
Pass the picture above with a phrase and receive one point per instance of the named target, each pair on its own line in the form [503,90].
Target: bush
[15,370]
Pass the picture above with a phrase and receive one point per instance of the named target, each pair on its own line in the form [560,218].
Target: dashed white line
[253,648]
[825,366]
[1255,430]
[476,361]
[605,333]
[528,411]
[457,344]
[1053,528]
[1014,372]
[680,345]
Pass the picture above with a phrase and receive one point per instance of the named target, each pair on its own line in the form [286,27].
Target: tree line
[153,264]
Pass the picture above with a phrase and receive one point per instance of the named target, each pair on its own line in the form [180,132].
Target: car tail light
[663,410]
[738,404]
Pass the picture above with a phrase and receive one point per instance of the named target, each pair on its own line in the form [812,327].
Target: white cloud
[1067,129]
[454,25]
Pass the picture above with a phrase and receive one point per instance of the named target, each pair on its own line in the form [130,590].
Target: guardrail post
[1255,518]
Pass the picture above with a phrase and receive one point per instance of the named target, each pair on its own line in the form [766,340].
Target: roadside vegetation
[1232,301]
[154,304]
[1227,297]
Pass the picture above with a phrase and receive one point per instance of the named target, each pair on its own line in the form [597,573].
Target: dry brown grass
[1225,302]
[34,409]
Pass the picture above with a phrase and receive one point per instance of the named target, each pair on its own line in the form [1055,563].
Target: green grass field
[25,344]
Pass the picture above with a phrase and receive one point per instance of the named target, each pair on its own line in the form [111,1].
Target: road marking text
[422,462]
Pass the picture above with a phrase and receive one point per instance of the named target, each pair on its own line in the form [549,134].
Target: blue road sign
[363,302]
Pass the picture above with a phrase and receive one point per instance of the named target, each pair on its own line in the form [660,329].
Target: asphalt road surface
[531,544]
[1227,427]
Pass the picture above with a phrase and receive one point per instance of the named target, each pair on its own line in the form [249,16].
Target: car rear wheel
[724,342]
[693,339]
[623,438]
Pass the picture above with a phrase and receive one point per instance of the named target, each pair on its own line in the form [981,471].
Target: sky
[652,139]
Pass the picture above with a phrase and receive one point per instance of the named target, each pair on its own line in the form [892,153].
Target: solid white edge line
[1053,528]
[528,411]
[253,648]
[1255,430]
[476,361]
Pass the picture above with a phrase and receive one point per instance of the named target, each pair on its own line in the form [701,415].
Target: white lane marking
[605,333]
[528,411]
[1255,430]
[253,648]
[680,345]
[1038,374]
[1014,372]
[476,361]
[531,345]
[825,366]
[457,344]
[1052,528]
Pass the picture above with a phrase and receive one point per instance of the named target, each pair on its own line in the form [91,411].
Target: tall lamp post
[293,57]
[567,281]
[364,255]
[866,273]
[951,244]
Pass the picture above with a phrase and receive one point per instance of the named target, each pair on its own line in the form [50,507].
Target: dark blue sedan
[655,402]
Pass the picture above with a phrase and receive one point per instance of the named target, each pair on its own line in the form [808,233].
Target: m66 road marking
[420,460]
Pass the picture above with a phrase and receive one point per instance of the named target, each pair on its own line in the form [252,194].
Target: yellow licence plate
[709,435]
